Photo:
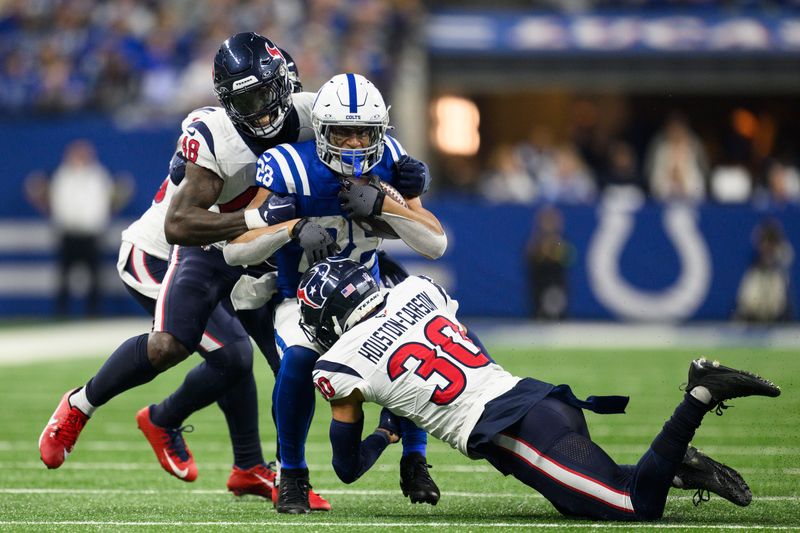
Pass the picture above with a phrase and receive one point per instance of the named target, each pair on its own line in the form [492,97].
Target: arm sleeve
[352,457]
[418,236]
[257,250]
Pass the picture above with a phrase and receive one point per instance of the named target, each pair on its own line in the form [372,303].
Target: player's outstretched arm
[257,245]
[418,227]
[189,222]
[352,457]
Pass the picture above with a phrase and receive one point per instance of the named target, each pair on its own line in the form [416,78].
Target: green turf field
[112,480]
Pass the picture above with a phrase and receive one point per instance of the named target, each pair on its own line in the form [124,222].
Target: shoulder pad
[303,102]
[394,147]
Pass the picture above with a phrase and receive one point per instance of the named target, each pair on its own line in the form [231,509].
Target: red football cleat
[169,446]
[317,502]
[258,480]
[59,435]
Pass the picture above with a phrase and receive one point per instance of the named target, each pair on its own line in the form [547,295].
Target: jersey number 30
[446,336]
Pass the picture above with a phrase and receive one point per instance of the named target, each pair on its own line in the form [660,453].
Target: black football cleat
[293,491]
[415,480]
[700,472]
[725,383]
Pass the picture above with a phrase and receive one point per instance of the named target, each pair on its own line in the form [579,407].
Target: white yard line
[331,492]
[427,524]
[460,469]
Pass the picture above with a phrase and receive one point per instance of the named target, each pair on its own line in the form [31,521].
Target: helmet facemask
[331,135]
[249,106]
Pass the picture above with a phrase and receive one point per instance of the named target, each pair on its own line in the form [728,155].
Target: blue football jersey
[295,170]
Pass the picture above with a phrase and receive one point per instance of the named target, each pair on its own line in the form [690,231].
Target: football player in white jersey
[406,350]
[310,180]
[211,179]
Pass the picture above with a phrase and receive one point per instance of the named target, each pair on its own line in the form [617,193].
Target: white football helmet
[347,104]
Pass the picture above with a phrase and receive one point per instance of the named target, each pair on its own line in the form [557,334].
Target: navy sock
[240,406]
[126,368]
[415,439]
[679,430]
[294,404]
[205,383]
[655,470]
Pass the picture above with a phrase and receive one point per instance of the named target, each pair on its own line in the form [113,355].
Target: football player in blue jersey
[211,180]
[338,185]
[405,349]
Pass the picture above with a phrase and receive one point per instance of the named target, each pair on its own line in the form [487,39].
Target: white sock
[78,399]
[702,394]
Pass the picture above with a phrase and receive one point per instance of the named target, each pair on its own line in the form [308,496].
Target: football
[376,225]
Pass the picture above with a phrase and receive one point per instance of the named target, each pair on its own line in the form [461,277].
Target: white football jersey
[209,139]
[413,358]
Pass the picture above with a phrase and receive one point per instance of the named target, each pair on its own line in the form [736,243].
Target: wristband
[253,220]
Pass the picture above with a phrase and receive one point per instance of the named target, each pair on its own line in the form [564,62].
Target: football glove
[278,209]
[362,200]
[315,241]
[413,177]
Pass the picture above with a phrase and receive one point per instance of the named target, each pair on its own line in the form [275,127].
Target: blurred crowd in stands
[155,57]
[149,60]
[673,165]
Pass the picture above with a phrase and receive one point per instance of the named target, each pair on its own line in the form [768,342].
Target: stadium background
[541,121]
[517,106]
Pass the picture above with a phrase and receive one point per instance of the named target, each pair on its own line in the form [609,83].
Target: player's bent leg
[546,451]
[169,446]
[165,351]
[126,368]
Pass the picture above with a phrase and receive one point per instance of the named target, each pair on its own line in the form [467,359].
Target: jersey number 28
[457,349]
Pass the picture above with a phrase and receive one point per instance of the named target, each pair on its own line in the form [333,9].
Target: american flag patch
[348,290]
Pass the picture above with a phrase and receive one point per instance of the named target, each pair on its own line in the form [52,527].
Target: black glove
[413,177]
[315,241]
[278,209]
[391,271]
[362,200]
[390,422]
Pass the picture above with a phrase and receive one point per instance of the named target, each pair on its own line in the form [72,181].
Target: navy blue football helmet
[334,295]
[294,72]
[251,81]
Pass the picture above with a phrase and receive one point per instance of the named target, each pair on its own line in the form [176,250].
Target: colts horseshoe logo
[676,302]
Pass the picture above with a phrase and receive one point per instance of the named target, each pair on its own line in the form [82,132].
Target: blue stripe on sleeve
[330,366]
[206,133]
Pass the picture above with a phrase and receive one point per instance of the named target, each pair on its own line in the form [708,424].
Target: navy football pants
[550,450]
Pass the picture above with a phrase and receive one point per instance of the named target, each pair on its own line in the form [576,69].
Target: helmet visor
[255,101]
